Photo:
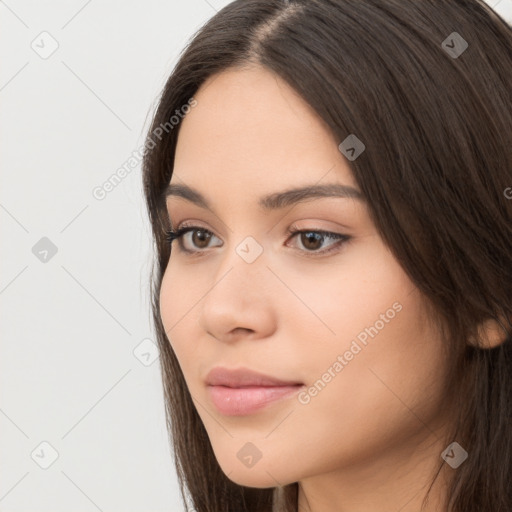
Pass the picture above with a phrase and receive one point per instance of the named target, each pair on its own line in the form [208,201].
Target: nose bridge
[245,265]
[240,292]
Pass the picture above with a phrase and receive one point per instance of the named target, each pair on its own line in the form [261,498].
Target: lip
[244,377]
[241,391]
[248,400]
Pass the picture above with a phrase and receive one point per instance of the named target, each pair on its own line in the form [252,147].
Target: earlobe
[491,334]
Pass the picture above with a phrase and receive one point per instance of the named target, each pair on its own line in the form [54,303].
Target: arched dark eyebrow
[273,201]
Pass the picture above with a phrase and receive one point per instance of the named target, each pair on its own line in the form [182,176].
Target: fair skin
[371,439]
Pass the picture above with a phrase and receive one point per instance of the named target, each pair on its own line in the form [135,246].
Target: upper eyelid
[190,224]
[197,223]
[191,227]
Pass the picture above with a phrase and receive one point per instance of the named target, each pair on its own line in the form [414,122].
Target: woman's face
[347,324]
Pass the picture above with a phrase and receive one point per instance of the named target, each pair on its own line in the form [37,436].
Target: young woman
[329,184]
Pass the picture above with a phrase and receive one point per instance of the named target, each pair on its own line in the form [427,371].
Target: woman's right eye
[199,242]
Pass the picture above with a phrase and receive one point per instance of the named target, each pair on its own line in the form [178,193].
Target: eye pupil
[314,237]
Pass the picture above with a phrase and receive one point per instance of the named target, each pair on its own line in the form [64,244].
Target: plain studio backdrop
[82,422]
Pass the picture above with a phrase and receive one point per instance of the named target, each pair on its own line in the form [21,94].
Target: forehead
[251,132]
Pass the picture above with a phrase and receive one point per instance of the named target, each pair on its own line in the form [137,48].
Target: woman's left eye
[312,240]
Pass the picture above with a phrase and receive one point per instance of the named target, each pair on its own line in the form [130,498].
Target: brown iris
[311,237]
[202,237]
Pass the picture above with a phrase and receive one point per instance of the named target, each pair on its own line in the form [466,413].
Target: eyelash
[179,233]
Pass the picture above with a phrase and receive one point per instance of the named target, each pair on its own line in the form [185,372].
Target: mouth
[240,392]
[249,399]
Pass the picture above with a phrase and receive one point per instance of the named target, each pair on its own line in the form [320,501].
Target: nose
[240,301]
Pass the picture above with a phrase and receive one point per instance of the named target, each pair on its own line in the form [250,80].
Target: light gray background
[75,370]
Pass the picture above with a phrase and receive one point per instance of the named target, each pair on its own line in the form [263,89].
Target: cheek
[387,389]
[376,381]
[362,288]
[179,300]
[385,346]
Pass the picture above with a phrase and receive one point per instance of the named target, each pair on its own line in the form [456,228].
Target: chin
[253,477]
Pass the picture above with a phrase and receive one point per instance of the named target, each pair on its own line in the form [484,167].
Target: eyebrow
[275,200]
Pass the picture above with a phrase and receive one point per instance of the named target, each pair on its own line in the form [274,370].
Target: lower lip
[242,401]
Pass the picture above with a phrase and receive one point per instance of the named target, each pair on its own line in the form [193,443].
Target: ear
[491,334]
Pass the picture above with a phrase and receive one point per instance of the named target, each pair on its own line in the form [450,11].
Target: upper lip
[243,377]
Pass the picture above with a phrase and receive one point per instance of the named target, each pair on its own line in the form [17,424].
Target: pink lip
[243,377]
[243,401]
[241,391]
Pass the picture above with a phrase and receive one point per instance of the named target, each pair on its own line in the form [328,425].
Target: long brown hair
[435,117]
